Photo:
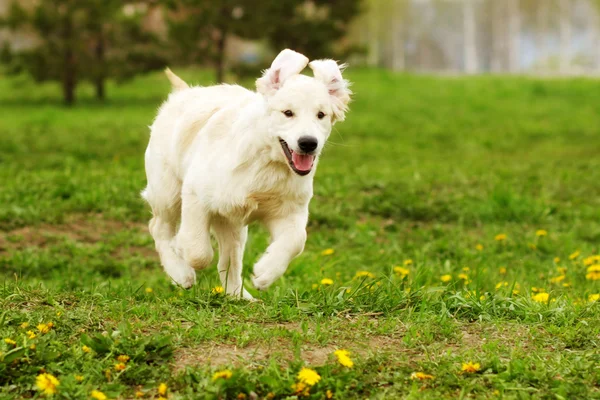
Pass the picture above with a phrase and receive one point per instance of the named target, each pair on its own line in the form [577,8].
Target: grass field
[455,220]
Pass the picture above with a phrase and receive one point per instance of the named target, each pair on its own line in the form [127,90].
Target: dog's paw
[244,295]
[186,278]
[262,282]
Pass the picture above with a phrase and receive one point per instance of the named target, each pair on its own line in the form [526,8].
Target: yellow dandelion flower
[123,358]
[541,232]
[501,284]
[149,290]
[567,285]
[500,237]
[308,376]
[574,255]
[98,395]
[300,387]
[446,278]
[47,383]
[561,270]
[557,279]
[471,367]
[139,394]
[594,268]
[10,341]
[402,272]
[592,276]
[516,289]
[162,389]
[464,277]
[31,334]
[364,274]
[329,394]
[315,285]
[502,270]
[44,328]
[541,297]
[32,347]
[537,290]
[327,252]
[86,349]
[225,374]
[79,378]
[591,260]
[120,366]
[161,398]
[422,376]
[217,290]
[593,297]
[556,260]
[479,247]
[24,325]
[343,357]
[326,281]
[408,262]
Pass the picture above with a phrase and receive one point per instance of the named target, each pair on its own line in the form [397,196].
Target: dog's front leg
[288,236]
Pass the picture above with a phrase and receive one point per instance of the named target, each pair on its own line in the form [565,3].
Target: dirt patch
[81,228]
[281,349]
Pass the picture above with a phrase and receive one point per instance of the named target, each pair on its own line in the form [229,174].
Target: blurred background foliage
[74,41]
[71,41]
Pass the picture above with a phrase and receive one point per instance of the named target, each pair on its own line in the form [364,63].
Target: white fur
[214,161]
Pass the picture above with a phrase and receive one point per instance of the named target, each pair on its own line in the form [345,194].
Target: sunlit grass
[452,251]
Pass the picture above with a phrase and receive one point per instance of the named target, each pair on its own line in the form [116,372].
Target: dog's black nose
[307,143]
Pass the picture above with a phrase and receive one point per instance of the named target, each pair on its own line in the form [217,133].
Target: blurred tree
[82,40]
[311,27]
[199,29]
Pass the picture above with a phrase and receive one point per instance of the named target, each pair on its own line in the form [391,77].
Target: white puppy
[221,157]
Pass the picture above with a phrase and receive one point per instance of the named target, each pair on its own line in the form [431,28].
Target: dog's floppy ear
[286,64]
[330,73]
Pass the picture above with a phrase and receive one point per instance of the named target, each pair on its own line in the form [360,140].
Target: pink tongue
[302,162]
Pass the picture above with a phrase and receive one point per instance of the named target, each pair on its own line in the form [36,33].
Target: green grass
[424,169]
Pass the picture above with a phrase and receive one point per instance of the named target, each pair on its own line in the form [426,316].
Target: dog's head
[302,110]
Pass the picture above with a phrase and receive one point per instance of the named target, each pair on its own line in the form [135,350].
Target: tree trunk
[69,78]
[596,30]
[514,35]
[498,36]
[373,24]
[541,34]
[398,36]
[470,42]
[565,36]
[221,42]
[100,61]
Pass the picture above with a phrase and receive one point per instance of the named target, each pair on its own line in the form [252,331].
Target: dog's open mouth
[300,163]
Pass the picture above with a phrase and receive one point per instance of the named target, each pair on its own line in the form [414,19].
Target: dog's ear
[286,64]
[330,73]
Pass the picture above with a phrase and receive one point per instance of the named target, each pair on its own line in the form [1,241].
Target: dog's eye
[321,115]
[288,113]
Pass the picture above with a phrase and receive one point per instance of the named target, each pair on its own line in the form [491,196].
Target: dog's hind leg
[193,238]
[166,209]
[232,241]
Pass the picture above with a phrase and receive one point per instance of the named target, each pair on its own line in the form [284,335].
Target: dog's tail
[176,82]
